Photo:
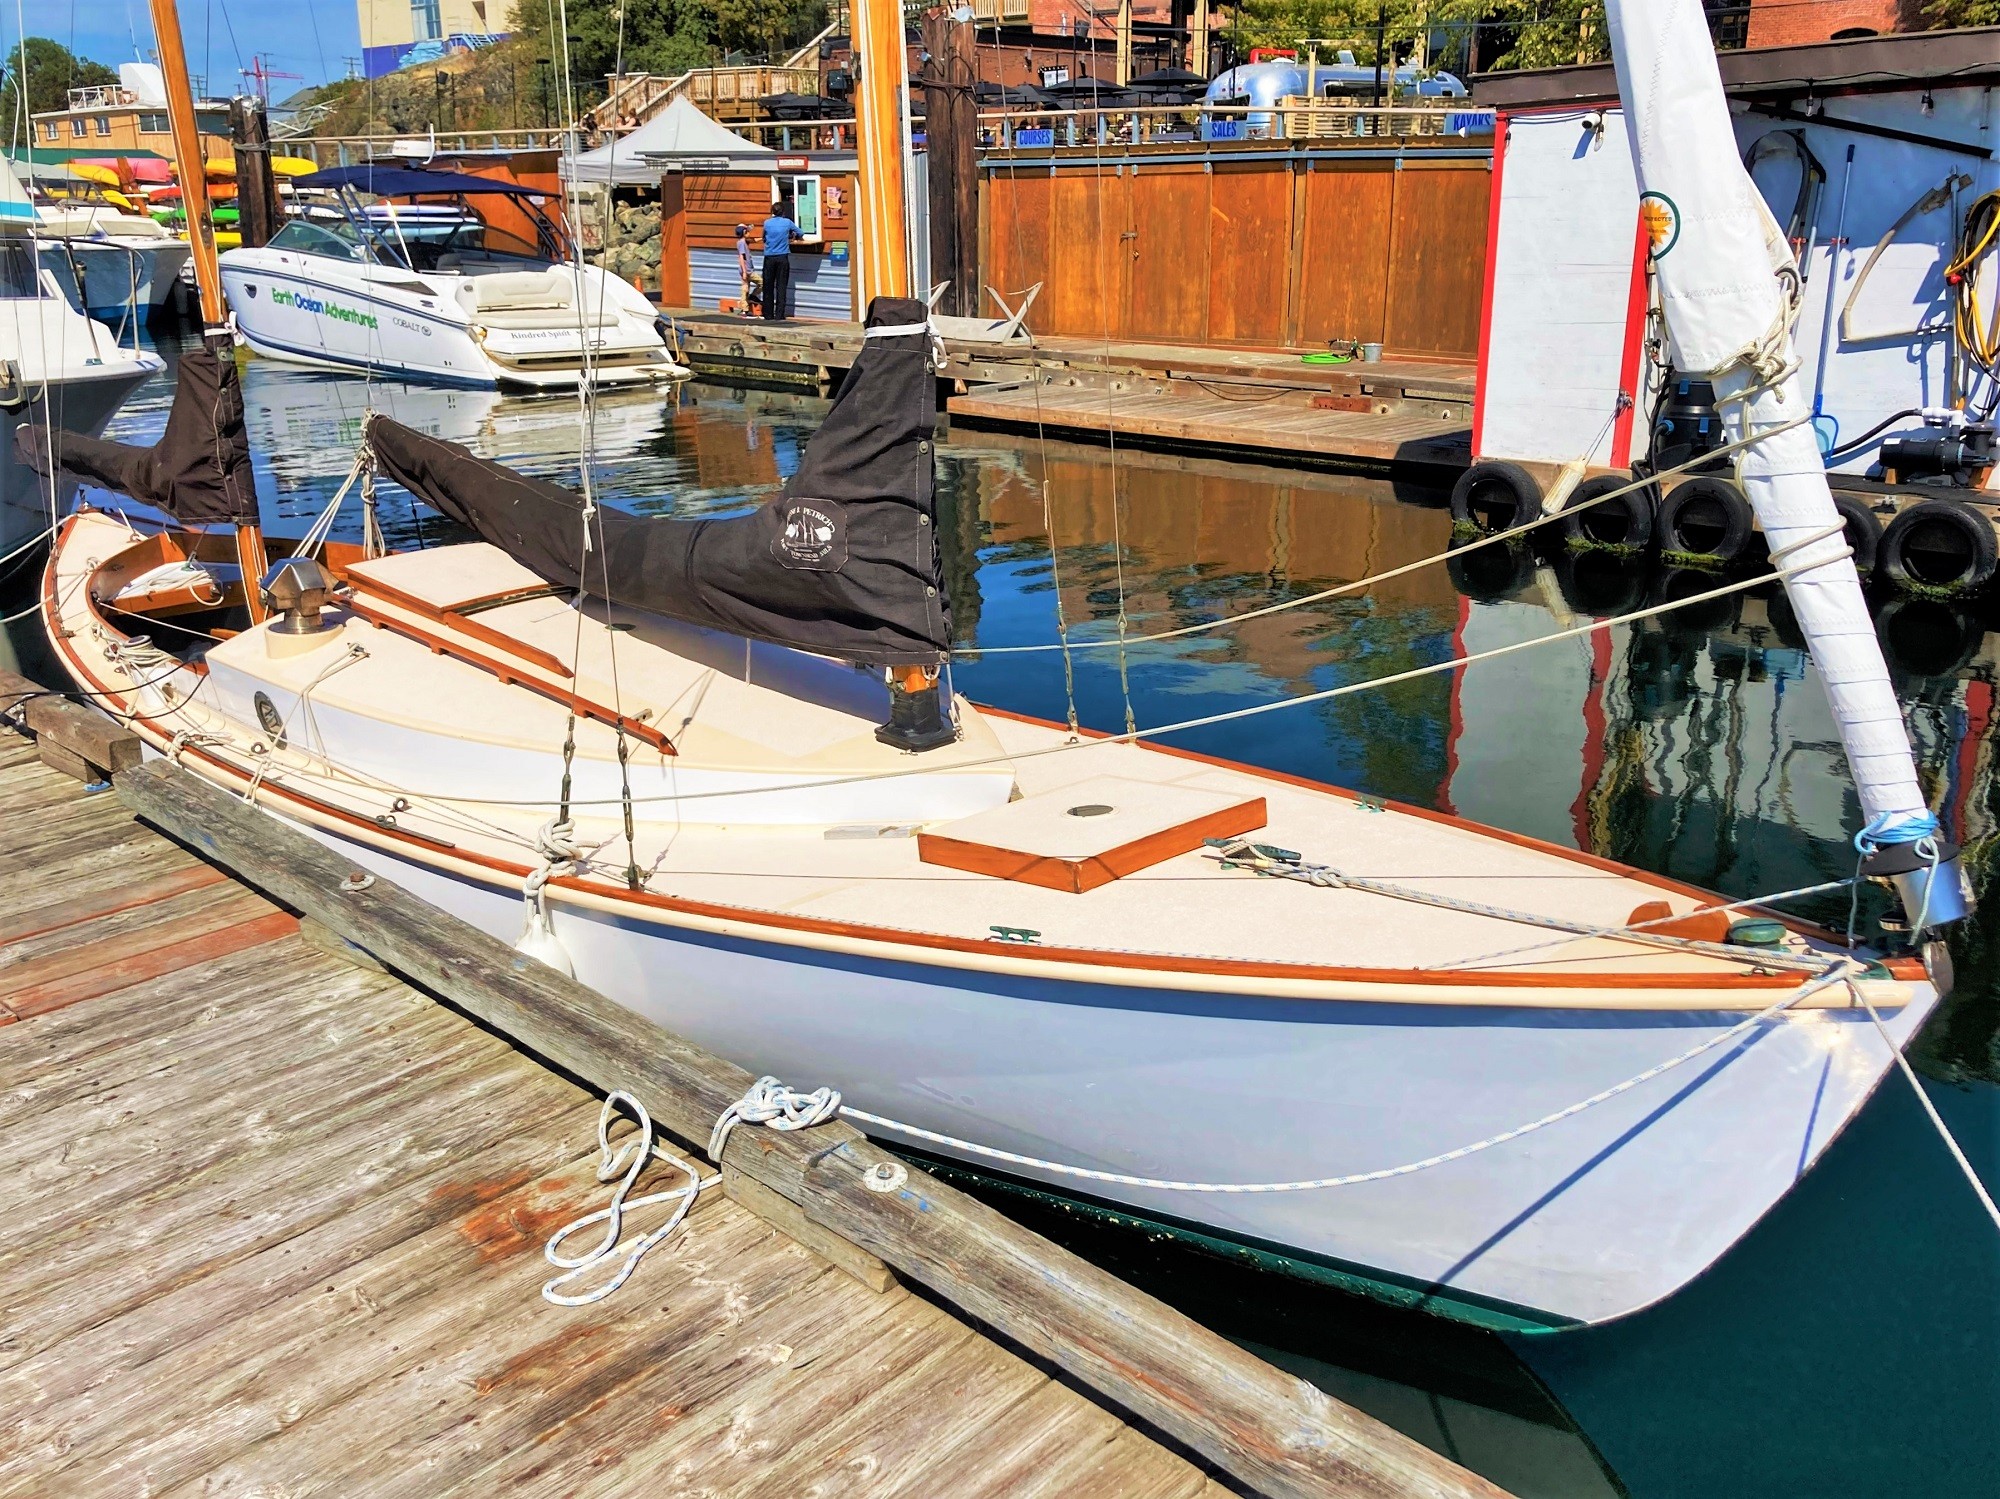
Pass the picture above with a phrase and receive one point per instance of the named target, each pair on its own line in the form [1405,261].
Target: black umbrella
[1169,78]
[799,107]
[1010,96]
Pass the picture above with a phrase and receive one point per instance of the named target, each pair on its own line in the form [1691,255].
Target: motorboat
[111,262]
[715,768]
[398,284]
[58,367]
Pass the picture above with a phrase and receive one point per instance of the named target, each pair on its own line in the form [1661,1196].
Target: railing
[1000,10]
[341,150]
[102,96]
[1032,129]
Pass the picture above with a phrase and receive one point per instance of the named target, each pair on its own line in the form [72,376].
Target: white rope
[770,1102]
[628,1160]
[1498,538]
[1409,1168]
[767,1102]
[1950,1141]
[321,528]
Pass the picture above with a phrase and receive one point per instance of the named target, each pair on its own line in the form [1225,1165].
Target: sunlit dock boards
[1409,414]
[274,1220]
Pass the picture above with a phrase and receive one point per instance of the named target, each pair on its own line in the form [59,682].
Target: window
[18,275]
[425,23]
[805,206]
[103,124]
[76,127]
[153,125]
[334,241]
[49,130]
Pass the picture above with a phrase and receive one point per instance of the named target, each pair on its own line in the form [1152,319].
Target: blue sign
[1225,130]
[1469,122]
[1043,137]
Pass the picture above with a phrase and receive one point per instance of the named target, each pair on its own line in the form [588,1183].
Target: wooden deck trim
[1076,876]
[449,616]
[514,677]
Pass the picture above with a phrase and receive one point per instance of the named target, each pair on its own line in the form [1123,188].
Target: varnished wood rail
[1274,1432]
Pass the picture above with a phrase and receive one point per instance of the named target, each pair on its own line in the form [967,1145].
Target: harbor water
[1850,1345]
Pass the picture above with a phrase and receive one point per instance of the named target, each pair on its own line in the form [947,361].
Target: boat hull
[293,308]
[85,401]
[1586,1220]
[107,280]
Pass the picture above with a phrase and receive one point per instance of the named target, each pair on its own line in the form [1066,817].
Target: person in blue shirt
[780,234]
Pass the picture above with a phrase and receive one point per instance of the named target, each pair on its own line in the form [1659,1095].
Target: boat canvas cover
[199,470]
[843,561]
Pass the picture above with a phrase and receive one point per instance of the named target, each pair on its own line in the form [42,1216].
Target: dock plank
[273,1224]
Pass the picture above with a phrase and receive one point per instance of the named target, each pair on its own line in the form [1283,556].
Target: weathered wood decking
[273,1226]
[1399,413]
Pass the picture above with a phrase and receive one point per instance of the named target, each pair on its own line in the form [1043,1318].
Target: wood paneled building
[1264,245]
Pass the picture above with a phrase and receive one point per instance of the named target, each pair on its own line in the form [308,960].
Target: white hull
[330,314]
[110,277]
[1584,1221]
[1181,1022]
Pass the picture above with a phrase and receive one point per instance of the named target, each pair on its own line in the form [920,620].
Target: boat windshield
[426,237]
[20,278]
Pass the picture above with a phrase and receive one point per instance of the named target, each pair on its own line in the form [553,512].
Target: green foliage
[668,36]
[1512,33]
[1963,13]
[52,71]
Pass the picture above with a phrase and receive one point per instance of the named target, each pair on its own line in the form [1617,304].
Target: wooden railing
[1030,129]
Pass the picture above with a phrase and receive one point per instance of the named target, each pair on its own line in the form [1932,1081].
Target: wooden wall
[1259,253]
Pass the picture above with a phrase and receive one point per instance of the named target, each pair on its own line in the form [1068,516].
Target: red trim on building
[1635,349]
[1486,292]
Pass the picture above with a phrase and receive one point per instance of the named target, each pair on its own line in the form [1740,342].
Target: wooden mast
[883,252]
[188,158]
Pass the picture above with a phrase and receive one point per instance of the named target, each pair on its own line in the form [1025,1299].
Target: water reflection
[1850,1344]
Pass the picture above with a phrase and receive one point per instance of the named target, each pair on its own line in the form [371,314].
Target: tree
[1964,13]
[661,36]
[1511,33]
[52,70]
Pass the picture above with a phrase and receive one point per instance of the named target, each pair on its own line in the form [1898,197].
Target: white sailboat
[117,264]
[1469,1070]
[434,292]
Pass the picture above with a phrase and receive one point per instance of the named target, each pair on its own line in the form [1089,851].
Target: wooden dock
[274,1220]
[1257,403]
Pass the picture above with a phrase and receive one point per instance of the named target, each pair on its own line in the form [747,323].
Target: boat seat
[513,290]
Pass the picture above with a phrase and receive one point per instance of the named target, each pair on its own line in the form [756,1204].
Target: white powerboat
[115,263]
[437,291]
[58,368]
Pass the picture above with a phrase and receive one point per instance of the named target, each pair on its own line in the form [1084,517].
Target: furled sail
[1722,265]
[199,470]
[842,562]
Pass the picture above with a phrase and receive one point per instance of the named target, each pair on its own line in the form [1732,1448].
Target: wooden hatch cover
[1089,834]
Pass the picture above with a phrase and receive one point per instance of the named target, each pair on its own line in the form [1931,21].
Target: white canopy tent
[678,131]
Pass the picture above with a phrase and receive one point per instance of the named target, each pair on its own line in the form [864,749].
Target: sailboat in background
[715,768]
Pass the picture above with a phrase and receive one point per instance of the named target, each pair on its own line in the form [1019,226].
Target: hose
[1812,175]
[1929,202]
[1978,337]
[1849,449]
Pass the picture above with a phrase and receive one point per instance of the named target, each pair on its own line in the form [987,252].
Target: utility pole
[1381,32]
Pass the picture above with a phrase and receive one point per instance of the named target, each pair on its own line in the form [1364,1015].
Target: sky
[309,37]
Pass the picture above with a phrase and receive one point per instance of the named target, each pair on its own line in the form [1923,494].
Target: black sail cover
[199,470]
[843,561]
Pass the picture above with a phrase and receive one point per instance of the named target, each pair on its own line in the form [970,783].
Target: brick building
[1794,23]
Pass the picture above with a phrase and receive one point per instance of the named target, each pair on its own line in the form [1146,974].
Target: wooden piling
[1274,1432]
[258,211]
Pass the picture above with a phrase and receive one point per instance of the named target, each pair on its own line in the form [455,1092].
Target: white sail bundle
[1726,283]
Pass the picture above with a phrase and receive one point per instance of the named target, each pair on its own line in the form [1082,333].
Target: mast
[1727,281]
[201,236]
[193,173]
[880,141]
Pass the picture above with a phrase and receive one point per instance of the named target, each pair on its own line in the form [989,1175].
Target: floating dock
[275,1217]
[1411,415]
